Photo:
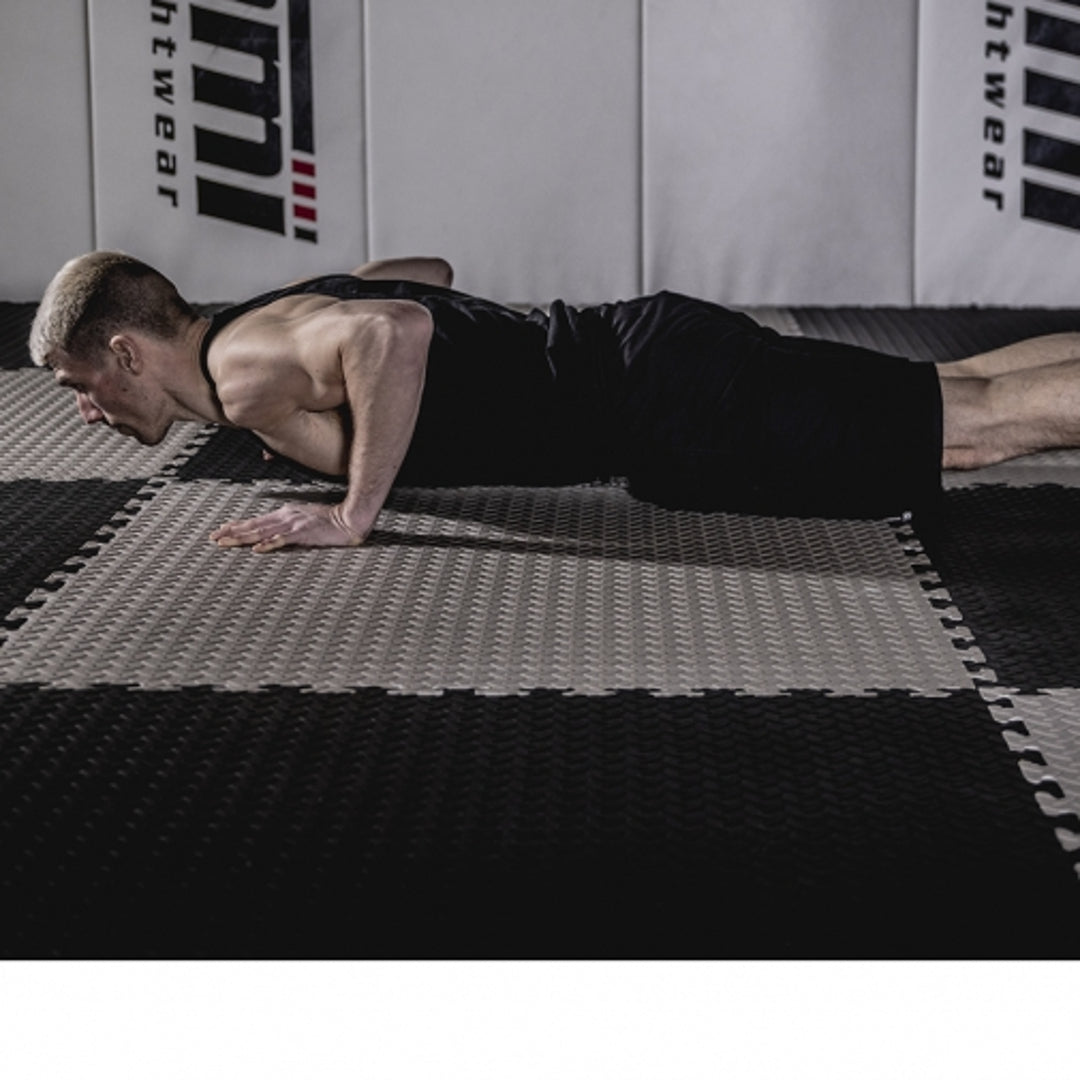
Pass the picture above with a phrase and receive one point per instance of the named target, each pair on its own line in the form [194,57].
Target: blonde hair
[96,295]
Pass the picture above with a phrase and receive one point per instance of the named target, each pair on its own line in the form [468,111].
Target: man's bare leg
[1019,411]
[1022,356]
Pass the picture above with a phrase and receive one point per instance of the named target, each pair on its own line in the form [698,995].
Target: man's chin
[142,437]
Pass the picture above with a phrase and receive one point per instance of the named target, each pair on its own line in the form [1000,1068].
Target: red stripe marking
[305,191]
[305,212]
[305,168]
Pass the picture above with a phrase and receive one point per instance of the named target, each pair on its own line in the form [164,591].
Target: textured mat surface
[43,440]
[583,590]
[933,333]
[531,723]
[287,823]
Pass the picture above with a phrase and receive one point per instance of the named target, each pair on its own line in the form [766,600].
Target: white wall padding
[227,138]
[779,140]
[998,213]
[775,152]
[505,136]
[46,213]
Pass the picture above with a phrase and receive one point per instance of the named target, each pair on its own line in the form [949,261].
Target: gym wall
[999,153]
[752,151]
[46,194]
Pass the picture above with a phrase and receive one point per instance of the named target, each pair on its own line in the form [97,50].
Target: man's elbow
[413,322]
[404,330]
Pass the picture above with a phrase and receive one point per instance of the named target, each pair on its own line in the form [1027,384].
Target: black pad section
[237,456]
[934,333]
[47,524]
[203,823]
[15,323]
[1009,558]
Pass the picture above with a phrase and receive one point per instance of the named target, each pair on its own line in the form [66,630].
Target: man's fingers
[296,524]
[236,536]
[262,534]
[273,544]
[248,531]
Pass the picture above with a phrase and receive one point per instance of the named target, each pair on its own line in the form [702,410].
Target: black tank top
[508,397]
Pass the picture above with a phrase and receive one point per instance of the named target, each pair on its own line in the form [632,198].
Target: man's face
[106,392]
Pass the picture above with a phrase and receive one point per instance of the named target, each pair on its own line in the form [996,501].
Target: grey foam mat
[1058,468]
[44,438]
[506,590]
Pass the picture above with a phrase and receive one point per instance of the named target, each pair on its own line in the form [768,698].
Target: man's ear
[127,352]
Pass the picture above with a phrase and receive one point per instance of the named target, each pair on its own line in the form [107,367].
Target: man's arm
[427,271]
[384,379]
[363,359]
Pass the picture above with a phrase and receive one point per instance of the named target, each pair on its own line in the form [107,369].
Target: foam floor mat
[530,722]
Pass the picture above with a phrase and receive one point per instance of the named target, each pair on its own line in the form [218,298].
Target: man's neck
[191,389]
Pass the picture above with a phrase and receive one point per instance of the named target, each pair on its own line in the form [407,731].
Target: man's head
[101,323]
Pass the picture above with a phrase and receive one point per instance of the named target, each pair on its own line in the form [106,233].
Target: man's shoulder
[301,330]
[269,332]
[276,312]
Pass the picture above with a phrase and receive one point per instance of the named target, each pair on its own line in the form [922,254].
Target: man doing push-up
[388,375]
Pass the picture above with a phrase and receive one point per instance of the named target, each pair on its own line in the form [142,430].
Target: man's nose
[88,410]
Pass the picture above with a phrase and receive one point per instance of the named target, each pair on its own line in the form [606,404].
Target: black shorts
[718,413]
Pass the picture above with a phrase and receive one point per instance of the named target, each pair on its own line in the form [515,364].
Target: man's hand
[291,525]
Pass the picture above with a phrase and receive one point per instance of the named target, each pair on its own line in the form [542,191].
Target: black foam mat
[1009,555]
[15,322]
[198,823]
[239,457]
[47,526]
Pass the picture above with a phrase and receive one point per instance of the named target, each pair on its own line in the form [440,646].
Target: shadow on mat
[603,521]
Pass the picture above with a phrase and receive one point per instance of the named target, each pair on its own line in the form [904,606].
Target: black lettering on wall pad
[260,99]
[1050,152]
[1050,92]
[303,123]
[1052,205]
[1041,202]
[1053,32]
